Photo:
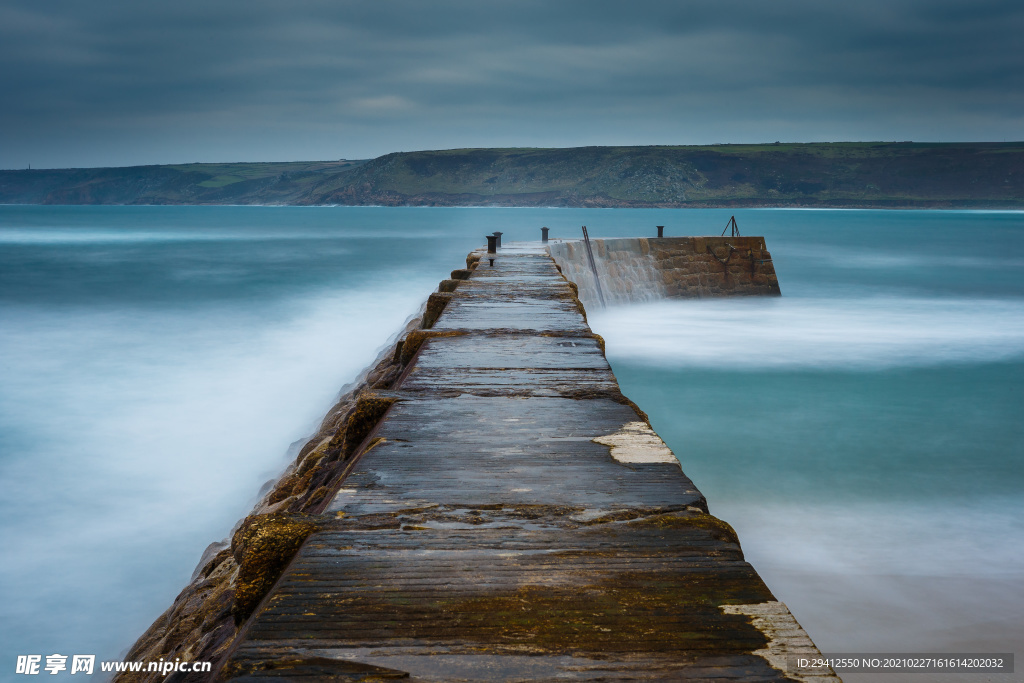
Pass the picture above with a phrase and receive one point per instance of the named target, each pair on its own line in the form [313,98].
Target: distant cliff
[252,183]
[886,175]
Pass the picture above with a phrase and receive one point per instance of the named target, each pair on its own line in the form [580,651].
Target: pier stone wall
[486,504]
[644,269]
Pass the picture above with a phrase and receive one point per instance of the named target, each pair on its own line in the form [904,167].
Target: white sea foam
[137,436]
[884,537]
[133,436]
[892,576]
[859,333]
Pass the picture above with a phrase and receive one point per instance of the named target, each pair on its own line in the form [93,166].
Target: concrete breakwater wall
[644,269]
[485,505]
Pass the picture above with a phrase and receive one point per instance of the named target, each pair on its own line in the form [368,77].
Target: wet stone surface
[513,518]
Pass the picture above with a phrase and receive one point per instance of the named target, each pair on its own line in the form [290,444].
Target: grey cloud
[127,82]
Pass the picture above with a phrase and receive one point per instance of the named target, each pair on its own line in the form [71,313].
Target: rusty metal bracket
[735,228]
[593,266]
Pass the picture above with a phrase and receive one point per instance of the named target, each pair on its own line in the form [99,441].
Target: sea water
[862,432]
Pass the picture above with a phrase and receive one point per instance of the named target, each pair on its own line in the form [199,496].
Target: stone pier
[511,516]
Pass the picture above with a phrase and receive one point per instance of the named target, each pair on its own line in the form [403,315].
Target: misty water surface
[862,432]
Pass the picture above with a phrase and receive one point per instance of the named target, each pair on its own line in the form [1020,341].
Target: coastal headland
[487,505]
[985,175]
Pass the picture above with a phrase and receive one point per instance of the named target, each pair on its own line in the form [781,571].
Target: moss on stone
[611,395]
[448,285]
[315,498]
[581,309]
[263,546]
[282,491]
[435,306]
[635,612]
[301,483]
[309,668]
[313,459]
[414,340]
[313,442]
[370,408]
[718,529]
[215,562]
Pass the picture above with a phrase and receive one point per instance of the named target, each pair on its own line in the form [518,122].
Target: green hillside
[238,183]
[816,174]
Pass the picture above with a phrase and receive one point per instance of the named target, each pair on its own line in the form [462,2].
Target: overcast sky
[110,82]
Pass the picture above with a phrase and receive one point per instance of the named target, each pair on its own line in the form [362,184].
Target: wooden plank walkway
[515,519]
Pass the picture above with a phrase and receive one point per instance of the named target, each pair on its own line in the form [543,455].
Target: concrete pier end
[641,269]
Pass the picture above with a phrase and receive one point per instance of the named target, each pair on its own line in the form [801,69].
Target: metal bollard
[492,244]
[661,230]
[492,262]
[543,234]
[498,235]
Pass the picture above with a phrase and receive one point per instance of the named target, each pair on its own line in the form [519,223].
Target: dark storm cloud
[128,82]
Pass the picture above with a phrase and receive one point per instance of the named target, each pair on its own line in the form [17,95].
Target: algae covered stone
[263,546]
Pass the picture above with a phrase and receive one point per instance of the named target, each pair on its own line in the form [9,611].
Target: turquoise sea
[863,432]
